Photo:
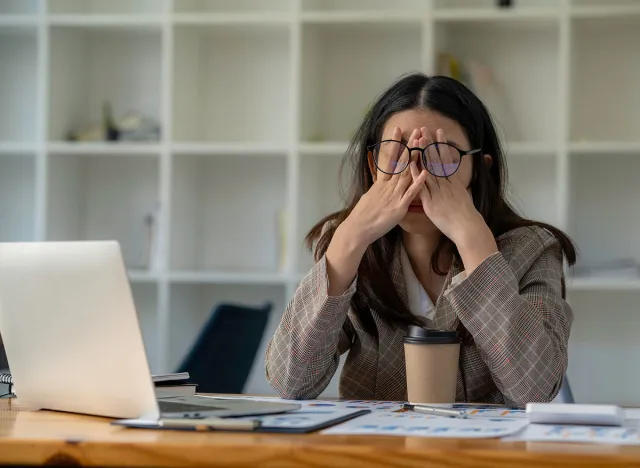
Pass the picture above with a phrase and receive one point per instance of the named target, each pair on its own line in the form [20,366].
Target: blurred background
[206,137]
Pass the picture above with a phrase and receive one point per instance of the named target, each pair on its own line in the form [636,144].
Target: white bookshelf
[257,100]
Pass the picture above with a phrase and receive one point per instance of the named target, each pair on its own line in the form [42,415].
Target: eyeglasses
[440,159]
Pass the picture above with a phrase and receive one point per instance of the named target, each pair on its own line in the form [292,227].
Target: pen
[209,424]
[435,411]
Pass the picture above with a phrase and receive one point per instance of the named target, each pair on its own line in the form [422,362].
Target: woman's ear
[372,165]
[488,160]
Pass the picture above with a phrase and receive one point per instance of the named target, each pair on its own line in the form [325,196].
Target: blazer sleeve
[520,326]
[304,353]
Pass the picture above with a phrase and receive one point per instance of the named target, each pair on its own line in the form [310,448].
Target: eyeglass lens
[392,157]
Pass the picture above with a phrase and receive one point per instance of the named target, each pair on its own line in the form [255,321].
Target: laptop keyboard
[175,407]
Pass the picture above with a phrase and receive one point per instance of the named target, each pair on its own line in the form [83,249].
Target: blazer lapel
[446,318]
[396,273]
[398,282]
[391,372]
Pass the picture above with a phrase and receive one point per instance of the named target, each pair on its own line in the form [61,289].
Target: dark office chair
[222,356]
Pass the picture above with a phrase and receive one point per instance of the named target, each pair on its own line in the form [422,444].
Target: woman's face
[416,221]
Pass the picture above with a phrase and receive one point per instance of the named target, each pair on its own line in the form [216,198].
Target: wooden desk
[43,437]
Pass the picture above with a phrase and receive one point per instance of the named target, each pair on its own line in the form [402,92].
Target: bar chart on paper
[415,424]
[590,434]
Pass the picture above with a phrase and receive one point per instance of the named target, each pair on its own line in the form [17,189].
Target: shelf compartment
[415,6]
[322,187]
[532,188]
[105,148]
[18,85]
[491,5]
[604,80]
[102,197]
[529,150]
[105,7]
[191,306]
[228,277]
[231,85]
[258,19]
[335,148]
[226,149]
[19,7]
[605,147]
[225,213]
[345,67]
[363,17]
[604,338]
[578,284]
[231,6]
[464,10]
[604,8]
[17,148]
[17,197]
[523,101]
[605,215]
[90,66]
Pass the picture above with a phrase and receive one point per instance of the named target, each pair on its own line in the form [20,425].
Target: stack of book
[173,385]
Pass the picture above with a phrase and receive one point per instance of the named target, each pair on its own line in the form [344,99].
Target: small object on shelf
[132,126]
[151,253]
[505,3]
[111,132]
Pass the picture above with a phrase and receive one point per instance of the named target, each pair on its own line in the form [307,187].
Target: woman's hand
[376,213]
[387,202]
[449,206]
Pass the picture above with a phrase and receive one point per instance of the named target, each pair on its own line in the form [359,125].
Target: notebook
[300,421]
[170,379]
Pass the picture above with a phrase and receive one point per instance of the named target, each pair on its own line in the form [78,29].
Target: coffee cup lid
[419,335]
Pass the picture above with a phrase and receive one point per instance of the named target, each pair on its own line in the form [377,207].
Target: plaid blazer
[510,312]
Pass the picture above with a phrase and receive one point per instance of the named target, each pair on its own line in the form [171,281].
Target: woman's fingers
[403,179]
[417,188]
[388,155]
[430,152]
[423,142]
[446,154]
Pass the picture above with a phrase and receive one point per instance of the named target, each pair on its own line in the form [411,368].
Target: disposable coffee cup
[431,358]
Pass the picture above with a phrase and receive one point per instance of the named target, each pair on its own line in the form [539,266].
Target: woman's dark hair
[451,99]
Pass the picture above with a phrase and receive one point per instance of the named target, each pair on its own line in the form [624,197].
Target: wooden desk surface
[44,437]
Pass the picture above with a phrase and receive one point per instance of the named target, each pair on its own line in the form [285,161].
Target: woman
[427,223]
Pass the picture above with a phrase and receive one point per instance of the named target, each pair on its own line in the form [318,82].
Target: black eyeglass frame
[423,151]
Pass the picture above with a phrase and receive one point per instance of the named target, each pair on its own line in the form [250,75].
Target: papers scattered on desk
[482,412]
[372,405]
[592,434]
[495,421]
[415,424]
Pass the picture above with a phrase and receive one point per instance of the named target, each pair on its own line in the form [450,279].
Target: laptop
[73,340]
